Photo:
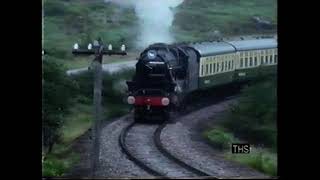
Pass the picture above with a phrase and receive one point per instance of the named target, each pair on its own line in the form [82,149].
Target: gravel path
[183,141]
[141,144]
[113,163]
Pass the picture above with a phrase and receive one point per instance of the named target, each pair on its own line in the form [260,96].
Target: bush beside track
[67,111]
[253,119]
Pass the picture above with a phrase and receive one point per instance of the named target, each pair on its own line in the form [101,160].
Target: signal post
[98,50]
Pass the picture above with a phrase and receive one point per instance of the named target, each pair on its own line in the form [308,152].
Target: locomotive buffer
[98,50]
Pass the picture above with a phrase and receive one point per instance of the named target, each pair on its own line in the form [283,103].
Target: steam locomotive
[166,73]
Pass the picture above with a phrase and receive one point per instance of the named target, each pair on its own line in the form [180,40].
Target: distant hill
[69,21]
[199,19]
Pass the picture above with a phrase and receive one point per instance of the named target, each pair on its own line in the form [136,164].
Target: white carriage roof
[212,48]
[243,45]
[215,48]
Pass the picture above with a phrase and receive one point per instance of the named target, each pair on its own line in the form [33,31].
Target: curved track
[148,152]
[153,157]
[125,149]
[158,143]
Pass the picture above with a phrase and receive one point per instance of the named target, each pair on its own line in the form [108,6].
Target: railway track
[149,154]
[153,140]
[125,149]
[163,150]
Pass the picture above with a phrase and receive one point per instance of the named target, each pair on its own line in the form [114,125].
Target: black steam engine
[159,82]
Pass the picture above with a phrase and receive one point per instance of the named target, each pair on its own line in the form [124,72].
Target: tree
[58,89]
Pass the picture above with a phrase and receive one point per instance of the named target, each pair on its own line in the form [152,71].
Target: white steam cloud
[155,19]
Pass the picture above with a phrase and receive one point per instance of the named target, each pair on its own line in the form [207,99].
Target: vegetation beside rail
[67,111]
[253,119]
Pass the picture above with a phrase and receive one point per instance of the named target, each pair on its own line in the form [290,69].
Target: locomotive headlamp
[76,46]
[110,47]
[123,47]
[131,100]
[89,46]
[165,101]
[152,54]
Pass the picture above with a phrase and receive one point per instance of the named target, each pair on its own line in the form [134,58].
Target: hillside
[197,20]
[66,22]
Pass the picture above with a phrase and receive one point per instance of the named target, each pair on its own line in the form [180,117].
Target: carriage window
[202,70]
[229,65]
[222,66]
[261,61]
[250,61]
[214,67]
[271,59]
[217,67]
[241,62]
[210,69]
[267,60]
[232,64]
[226,65]
[207,69]
[255,61]
[246,62]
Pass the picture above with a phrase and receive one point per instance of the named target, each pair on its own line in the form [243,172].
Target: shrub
[220,138]
[259,159]
[53,8]
[254,117]
[58,91]
[52,167]
[57,164]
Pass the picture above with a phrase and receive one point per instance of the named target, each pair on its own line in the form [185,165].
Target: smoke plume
[155,19]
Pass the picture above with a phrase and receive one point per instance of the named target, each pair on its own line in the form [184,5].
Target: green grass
[67,22]
[220,138]
[77,122]
[57,163]
[62,157]
[260,159]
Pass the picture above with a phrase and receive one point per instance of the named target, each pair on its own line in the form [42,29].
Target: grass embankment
[252,120]
[197,20]
[262,159]
[80,118]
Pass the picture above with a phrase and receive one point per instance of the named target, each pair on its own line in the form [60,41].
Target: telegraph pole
[98,49]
